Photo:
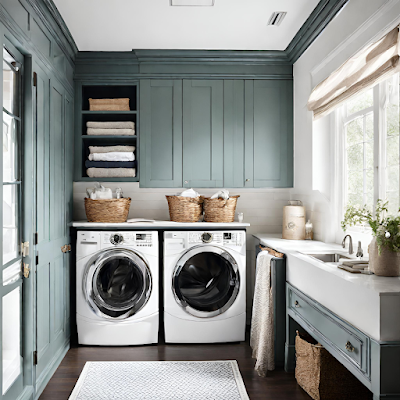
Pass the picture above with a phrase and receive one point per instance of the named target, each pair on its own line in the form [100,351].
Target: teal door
[203,156]
[161,133]
[12,256]
[51,217]
[269,133]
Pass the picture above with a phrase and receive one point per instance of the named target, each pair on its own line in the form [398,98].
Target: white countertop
[369,302]
[159,225]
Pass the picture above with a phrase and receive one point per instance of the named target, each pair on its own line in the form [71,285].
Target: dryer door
[117,283]
[206,281]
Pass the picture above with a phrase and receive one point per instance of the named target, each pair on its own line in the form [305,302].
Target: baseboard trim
[49,372]
[27,394]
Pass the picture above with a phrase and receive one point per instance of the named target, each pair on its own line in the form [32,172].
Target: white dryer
[117,288]
[204,286]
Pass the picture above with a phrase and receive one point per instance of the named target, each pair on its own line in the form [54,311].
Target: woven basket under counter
[323,377]
[185,209]
[110,210]
[220,210]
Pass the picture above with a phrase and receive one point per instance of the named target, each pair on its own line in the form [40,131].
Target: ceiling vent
[189,3]
[276,18]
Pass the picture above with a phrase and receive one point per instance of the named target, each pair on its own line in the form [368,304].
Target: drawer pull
[296,304]
[349,347]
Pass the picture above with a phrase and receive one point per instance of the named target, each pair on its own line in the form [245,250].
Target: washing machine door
[206,281]
[117,283]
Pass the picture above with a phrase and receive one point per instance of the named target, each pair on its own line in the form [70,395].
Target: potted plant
[384,250]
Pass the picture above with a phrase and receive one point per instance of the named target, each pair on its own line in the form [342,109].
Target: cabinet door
[51,200]
[203,133]
[269,133]
[161,133]
[234,176]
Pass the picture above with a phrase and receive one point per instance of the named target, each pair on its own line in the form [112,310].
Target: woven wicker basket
[112,210]
[322,376]
[220,210]
[185,209]
[109,104]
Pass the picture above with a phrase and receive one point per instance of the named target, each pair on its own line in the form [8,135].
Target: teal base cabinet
[234,133]
[375,364]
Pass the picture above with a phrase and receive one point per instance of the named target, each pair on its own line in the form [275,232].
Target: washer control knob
[206,237]
[116,238]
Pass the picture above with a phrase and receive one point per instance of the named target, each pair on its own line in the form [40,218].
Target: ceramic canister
[294,222]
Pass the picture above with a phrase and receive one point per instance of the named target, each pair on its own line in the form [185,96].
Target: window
[369,136]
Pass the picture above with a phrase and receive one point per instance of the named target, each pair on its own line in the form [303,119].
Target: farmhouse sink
[328,257]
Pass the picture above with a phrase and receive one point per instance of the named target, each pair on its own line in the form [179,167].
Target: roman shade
[376,62]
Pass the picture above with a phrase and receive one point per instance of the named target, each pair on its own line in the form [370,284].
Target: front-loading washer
[204,286]
[117,288]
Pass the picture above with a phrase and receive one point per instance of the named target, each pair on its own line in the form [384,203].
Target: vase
[385,264]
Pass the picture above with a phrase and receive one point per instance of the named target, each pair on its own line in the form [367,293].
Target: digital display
[227,236]
[140,236]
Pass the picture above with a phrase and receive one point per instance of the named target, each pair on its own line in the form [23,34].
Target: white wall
[359,23]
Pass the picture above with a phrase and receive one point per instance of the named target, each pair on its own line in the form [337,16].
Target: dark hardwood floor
[278,385]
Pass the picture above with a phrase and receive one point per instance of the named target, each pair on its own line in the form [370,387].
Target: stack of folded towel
[109,104]
[111,162]
[113,128]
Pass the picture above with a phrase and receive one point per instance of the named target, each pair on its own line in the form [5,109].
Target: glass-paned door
[11,241]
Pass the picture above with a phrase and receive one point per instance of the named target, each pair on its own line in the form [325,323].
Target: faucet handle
[359,250]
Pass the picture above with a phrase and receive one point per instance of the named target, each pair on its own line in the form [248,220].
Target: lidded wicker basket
[107,210]
[185,209]
[220,210]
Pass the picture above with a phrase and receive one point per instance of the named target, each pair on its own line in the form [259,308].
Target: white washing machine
[117,288]
[204,286]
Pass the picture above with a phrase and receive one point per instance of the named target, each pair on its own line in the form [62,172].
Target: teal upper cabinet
[161,132]
[203,133]
[268,127]
[234,133]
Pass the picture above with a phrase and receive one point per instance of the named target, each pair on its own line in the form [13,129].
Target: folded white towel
[111,172]
[111,149]
[111,124]
[99,193]
[111,132]
[113,156]
[189,193]
[222,194]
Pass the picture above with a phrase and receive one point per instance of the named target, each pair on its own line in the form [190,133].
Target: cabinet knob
[349,347]
[186,182]
[296,304]
[247,180]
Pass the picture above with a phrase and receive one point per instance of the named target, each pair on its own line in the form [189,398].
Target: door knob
[247,180]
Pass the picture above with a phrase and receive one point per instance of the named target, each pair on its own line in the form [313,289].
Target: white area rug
[160,380]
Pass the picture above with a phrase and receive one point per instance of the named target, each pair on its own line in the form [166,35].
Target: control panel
[137,239]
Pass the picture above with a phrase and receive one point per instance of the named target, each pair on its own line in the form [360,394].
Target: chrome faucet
[350,243]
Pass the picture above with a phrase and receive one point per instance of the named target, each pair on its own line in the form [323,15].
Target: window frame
[380,95]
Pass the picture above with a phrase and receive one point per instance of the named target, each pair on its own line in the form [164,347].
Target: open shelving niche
[109,90]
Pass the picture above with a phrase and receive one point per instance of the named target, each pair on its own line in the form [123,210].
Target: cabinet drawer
[349,343]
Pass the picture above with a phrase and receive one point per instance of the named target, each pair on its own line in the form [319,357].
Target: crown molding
[318,20]
[56,25]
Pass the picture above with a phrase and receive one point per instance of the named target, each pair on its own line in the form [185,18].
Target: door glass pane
[10,222]
[206,282]
[12,273]
[10,82]
[12,359]
[10,155]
